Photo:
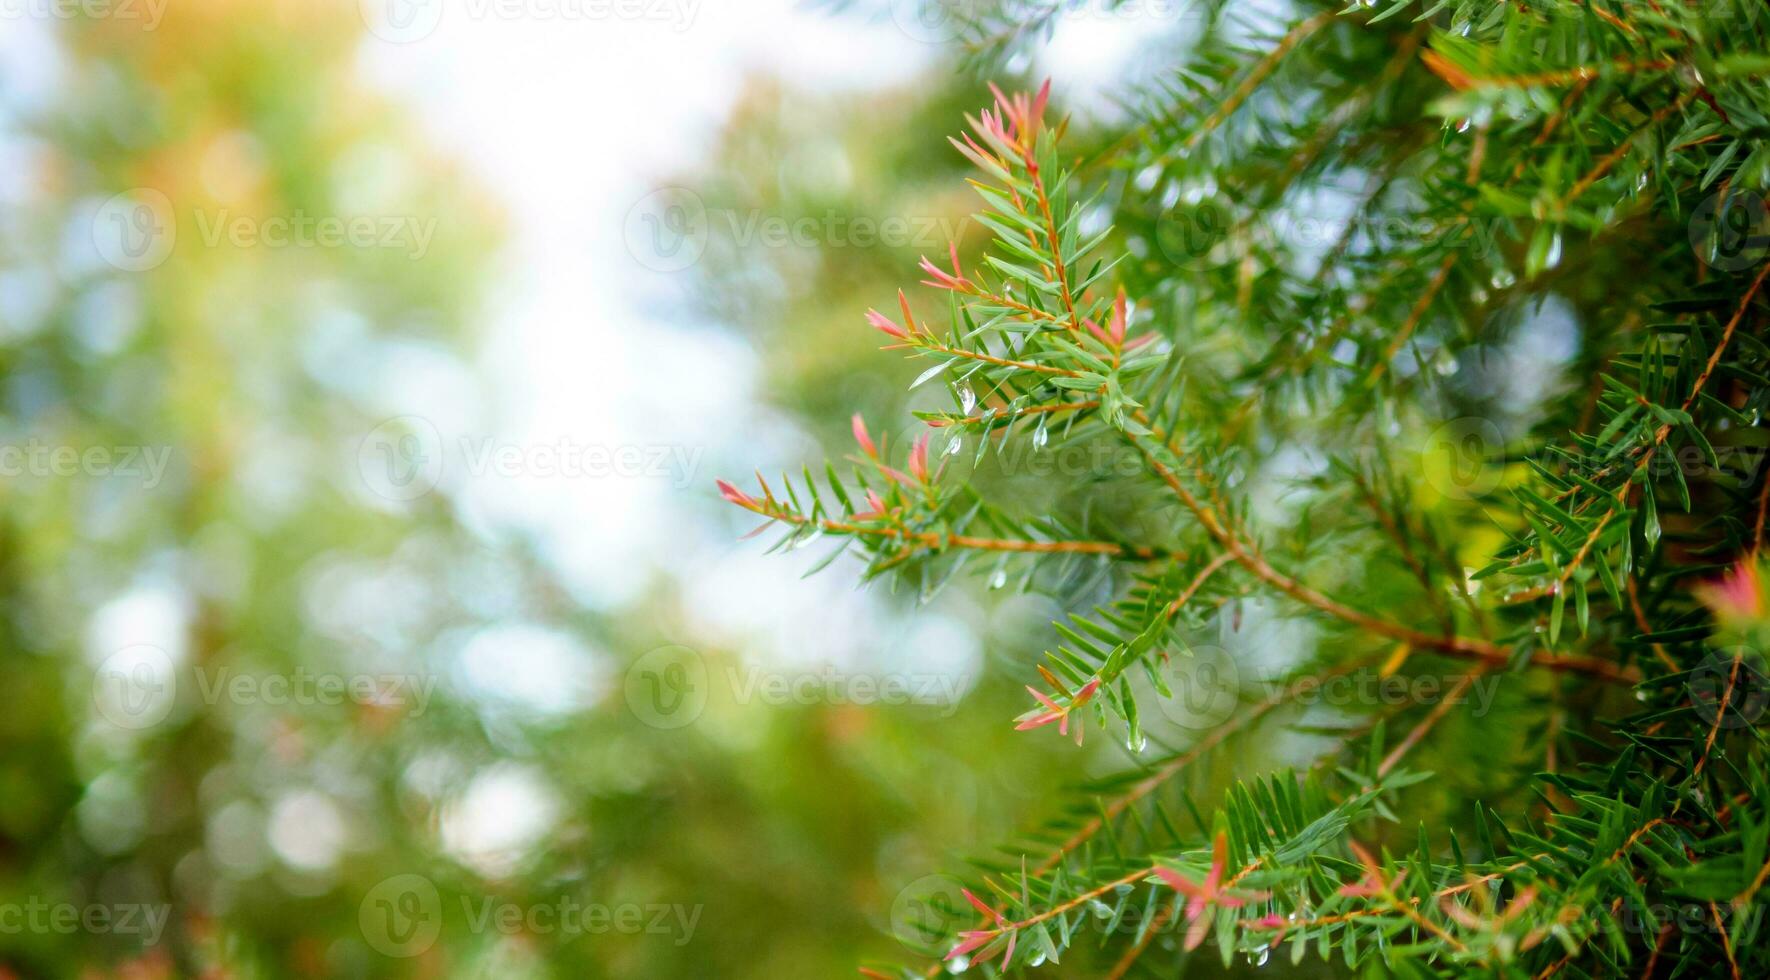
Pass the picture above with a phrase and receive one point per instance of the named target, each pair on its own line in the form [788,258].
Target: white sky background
[569,123]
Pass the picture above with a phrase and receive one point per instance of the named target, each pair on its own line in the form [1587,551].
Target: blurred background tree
[258,531]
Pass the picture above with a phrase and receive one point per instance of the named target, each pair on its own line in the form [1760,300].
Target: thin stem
[1744,898]
[1763,512]
[932,539]
[1615,156]
[1659,438]
[1452,698]
[1215,737]
[1414,316]
[1408,909]
[1001,416]
[988,358]
[1010,303]
[1038,183]
[1059,909]
[1462,81]
[1265,67]
[1199,580]
[1460,646]
[1160,919]
[1633,592]
[1665,934]
[1726,941]
[1720,713]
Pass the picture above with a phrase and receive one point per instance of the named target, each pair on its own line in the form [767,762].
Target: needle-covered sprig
[1494,427]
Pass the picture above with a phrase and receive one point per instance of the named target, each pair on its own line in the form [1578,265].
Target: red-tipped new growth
[979,904]
[738,497]
[919,471]
[983,158]
[1202,899]
[969,941]
[884,324]
[1054,712]
[919,458]
[876,508]
[861,436]
[1117,325]
[1514,908]
[1738,597]
[940,279]
[972,940]
[1373,883]
[1014,122]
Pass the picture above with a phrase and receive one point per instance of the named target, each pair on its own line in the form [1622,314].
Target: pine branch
[1572,142]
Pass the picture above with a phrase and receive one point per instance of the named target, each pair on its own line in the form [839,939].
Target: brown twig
[1461,646]
[1451,699]
[1720,713]
[1160,919]
[1205,573]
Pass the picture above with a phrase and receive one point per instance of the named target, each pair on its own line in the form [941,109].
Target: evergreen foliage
[1463,511]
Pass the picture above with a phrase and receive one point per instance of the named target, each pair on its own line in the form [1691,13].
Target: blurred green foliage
[270,833]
